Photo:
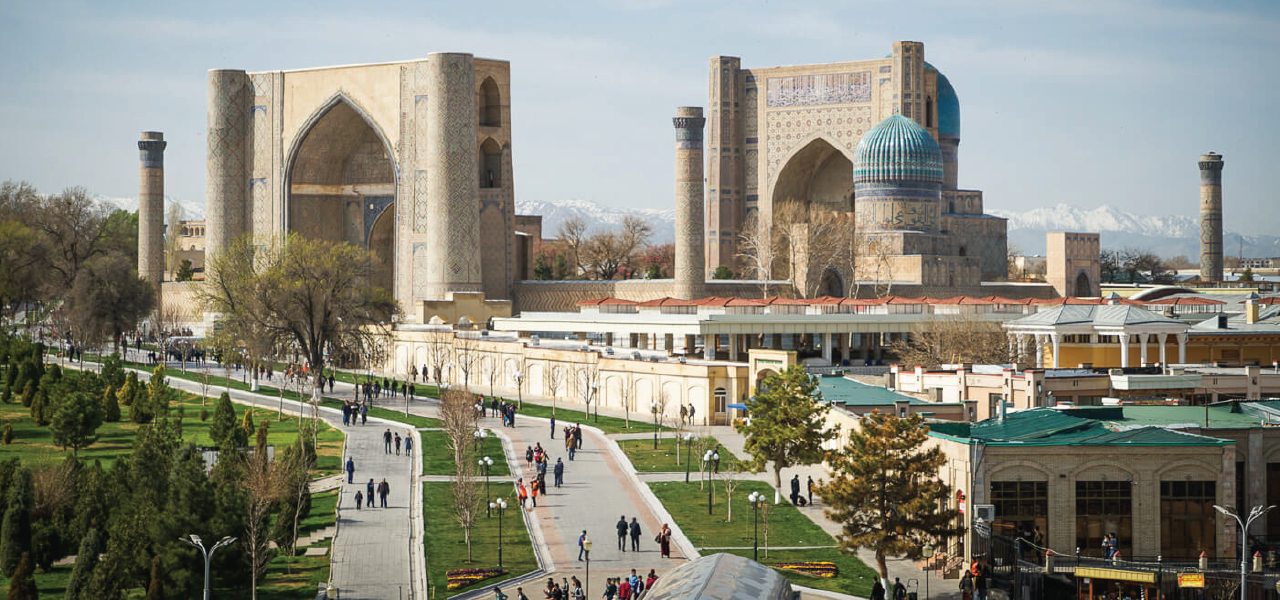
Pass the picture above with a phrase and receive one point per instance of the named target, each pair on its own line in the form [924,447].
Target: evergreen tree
[23,584]
[113,370]
[885,493]
[38,409]
[108,577]
[129,390]
[185,271]
[787,423]
[15,534]
[7,435]
[224,426]
[82,573]
[46,545]
[76,421]
[29,393]
[140,410]
[722,272]
[110,407]
[159,394]
[92,503]
[155,591]
[542,268]
[247,424]
[8,469]
[261,440]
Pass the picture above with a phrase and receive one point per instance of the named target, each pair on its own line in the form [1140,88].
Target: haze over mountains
[1165,235]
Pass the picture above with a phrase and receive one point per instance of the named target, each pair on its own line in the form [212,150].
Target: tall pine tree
[224,430]
[82,573]
[15,533]
[787,427]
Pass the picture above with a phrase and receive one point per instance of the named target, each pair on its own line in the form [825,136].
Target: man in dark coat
[384,488]
[635,535]
[559,472]
[622,533]
[795,489]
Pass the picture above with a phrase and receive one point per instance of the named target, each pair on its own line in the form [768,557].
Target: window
[490,164]
[721,397]
[1187,518]
[1104,507]
[490,104]
[1020,507]
[928,112]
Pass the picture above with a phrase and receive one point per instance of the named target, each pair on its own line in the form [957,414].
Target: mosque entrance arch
[819,175]
[340,185]
[832,284]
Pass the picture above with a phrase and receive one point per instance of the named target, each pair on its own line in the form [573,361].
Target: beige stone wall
[564,296]
[1070,255]
[183,299]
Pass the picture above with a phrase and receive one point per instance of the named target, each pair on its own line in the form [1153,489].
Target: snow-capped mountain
[598,217]
[1165,235]
[190,211]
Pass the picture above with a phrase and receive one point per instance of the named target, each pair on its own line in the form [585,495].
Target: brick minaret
[1211,217]
[453,224]
[151,209]
[229,147]
[690,268]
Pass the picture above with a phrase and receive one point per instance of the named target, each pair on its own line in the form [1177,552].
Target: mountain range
[1165,235]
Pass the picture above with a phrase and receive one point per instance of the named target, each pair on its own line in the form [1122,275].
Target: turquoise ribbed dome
[896,150]
[948,109]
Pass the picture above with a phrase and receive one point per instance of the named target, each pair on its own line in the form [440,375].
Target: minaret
[690,267]
[151,209]
[453,201]
[1211,217]
[227,187]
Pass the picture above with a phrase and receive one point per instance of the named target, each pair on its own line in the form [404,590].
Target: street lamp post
[653,408]
[208,555]
[755,499]
[486,463]
[519,377]
[1254,513]
[927,553]
[707,460]
[595,395]
[501,505]
[688,458]
[480,435]
[586,545]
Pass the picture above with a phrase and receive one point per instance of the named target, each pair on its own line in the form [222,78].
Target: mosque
[413,162]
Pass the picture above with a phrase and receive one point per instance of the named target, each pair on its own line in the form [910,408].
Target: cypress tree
[86,560]
[247,424]
[37,408]
[110,407]
[155,591]
[261,440]
[23,584]
[28,393]
[129,389]
[15,534]
[222,430]
[7,436]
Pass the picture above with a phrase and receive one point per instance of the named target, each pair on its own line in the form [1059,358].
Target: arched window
[963,251]
[490,104]
[490,164]
[928,111]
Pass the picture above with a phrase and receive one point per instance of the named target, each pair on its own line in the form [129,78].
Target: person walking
[346,414]
[330,383]
[795,490]
[559,472]
[384,489]
[581,540]
[635,535]
[650,579]
[521,492]
[684,413]
[397,443]
[664,541]
[810,487]
[351,468]
[899,590]
[877,591]
[553,427]
[528,456]
[610,589]
[622,533]
[386,441]
[359,497]
[966,586]
[533,492]
[497,593]
[691,411]
[408,445]
[624,589]
[369,489]
[364,414]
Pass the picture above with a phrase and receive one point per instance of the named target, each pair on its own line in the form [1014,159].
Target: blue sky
[1083,102]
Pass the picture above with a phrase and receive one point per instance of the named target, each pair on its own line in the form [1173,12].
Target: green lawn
[52,585]
[647,460]
[565,416]
[446,549]
[390,414]
[853,577]
[438,460]
[34,444]
[324,510]
[297,579]
[688,505]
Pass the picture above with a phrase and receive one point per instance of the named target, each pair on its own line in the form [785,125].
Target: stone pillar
[1054,339]
[826,347]
[1211,217]
[453,222]
[1182,348]
[1039,338]
[151,209]
[1163,338]
[690,268]
[1124,349]
[1142,342]
[227,188]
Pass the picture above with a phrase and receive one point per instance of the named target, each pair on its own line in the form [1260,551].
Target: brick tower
[1211,217]
[690,268]
[151,209]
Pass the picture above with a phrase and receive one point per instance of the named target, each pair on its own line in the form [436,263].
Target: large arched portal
[341,186]
[818,175]
[1083,286]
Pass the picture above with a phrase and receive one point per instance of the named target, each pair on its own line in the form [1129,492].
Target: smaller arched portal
[1083,286]
[490,164]
[489,104]
[832,284]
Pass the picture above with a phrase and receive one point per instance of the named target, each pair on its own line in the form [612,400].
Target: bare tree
[467,497]
[659,411]
[729,477]
[466,350]
[757,250]
[589,379]
[961,338]
[295,483]
[439,347]
[573,232]
[459,418]
[261,492]
[627,393]
[556,380]
[492,371]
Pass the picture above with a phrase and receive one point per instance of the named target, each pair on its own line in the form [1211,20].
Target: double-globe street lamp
[688,453]
[708,459]
[501,505]
[654,407]
[480,435]
[519,377]
[208,555]
[586,545]
[486,463]
[755,499]
[1254,513]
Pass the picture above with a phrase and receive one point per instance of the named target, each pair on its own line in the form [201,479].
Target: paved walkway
[374,549]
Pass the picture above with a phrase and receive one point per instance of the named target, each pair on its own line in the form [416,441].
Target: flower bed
[459,578]
[825,570]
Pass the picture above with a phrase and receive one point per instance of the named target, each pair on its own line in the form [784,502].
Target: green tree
[159,393]
[15,534]
[885,493]
[108,579]
[787,425]
[653,271]
[82,572]
[110,408]
[155,591]
[7,436]
[23,584]
[76,421]
[185,272]
[542,268]
[562,267]
[247,424]
[38,408]
[29,393]
[722,272]
[1246,274]
[301,292]
[129,391]
[46,543]
[224,428]
[107,298]
[113,373]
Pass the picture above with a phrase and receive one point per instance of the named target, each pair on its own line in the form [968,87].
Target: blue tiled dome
[948,109]
[897,149]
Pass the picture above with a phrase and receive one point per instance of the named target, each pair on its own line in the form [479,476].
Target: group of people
[572,437]
[498,407]
[374,388]
[355,411]
[388,439]
[570,588]
[899,591]
[973,586]
[632,530]
[628,588]
[797,498]
[382,489]
[686,414]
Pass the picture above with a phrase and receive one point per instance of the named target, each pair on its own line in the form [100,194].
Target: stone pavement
[373,550]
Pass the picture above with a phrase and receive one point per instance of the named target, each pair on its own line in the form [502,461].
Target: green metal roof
[1050,427]
[1224,416]
[849,392]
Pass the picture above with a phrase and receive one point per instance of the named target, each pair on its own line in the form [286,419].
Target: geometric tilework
[452,182]
[226,139]
[786,128]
